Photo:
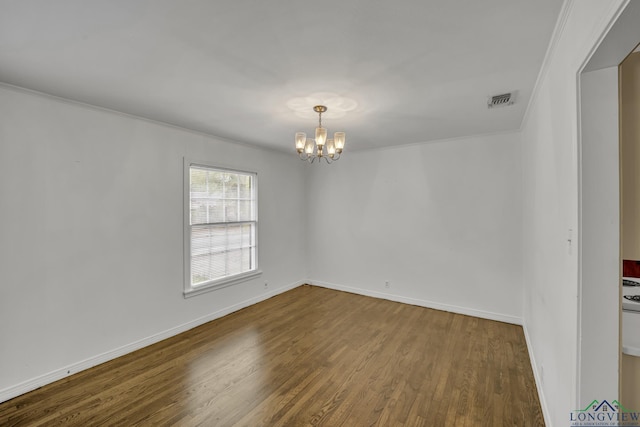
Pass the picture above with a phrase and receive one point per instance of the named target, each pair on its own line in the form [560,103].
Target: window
[220,227]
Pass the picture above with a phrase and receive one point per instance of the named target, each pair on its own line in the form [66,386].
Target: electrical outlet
[387,284]
[266,285]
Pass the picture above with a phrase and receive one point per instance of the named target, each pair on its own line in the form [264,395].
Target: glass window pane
[245,186]
[230,185]
[234,261]
[231,210]
[198,180]
[198,212]
[234,237]
[216,210]
[245,210]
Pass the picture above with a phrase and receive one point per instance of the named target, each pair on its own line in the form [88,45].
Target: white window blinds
[223,223]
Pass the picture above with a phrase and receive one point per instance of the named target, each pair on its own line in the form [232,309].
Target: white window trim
[189,290]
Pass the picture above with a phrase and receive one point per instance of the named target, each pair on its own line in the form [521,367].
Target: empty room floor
[309,356]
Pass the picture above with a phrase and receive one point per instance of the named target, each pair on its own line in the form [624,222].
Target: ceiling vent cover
[501,100]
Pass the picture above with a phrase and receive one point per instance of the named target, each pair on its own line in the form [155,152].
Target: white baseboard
[58,374]
[422,303]
[536,376]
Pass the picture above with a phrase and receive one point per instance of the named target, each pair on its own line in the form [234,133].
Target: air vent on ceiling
[501,100]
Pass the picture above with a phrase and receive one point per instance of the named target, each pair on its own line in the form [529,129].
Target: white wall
[600,242]
[91,234]
[441,221]
[550,188]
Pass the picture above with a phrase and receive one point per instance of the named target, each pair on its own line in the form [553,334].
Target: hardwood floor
[310,356]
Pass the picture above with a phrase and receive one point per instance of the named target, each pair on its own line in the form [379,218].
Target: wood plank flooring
[308,357]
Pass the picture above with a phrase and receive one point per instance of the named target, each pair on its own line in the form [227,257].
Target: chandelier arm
[306,157]
[312,158]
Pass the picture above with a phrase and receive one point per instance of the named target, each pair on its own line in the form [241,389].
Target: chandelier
[310,149]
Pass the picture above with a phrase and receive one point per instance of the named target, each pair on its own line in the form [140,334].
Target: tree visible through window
[222,223]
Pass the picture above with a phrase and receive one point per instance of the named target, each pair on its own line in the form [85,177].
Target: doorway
[599,355]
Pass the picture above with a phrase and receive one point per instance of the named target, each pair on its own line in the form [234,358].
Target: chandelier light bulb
[331,148]
[339,140]
[308,148]
[301,140]
[321,136]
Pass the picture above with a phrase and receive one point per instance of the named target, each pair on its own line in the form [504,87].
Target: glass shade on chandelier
[310,149]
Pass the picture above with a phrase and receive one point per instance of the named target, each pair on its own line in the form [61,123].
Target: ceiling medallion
[310,149]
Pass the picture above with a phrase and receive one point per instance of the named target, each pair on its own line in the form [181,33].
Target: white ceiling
[412,70]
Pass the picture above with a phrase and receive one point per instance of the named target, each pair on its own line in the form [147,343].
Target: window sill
[221,283]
